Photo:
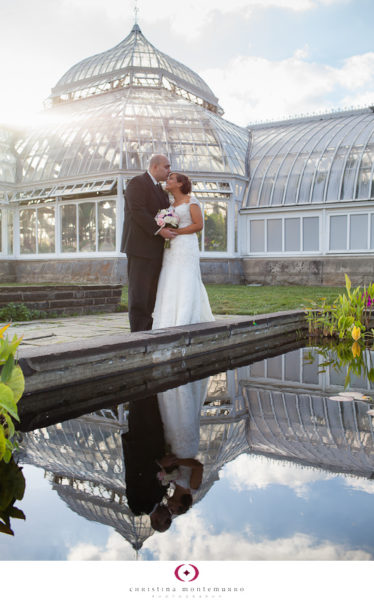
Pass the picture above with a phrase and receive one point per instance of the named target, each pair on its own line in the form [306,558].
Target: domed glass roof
[319,159]
[133,62]
[120,131]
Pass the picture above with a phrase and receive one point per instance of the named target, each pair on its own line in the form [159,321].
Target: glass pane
[46,230]
[310,372]
[275,367]
[274,235]
[1,230]
[257,236]
[292,234]
[10,232]
[372,232]
[338,233]
[107,225]
[87,227]
[27,231]
[69,228]
[215,226]
[310,233]
[358,235]
[292,366]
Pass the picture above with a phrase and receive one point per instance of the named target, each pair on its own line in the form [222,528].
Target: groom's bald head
[159,167]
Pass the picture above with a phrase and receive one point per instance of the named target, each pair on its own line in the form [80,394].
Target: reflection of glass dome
[133,62]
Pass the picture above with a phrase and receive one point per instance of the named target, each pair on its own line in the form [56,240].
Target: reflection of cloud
[193,537]
[361,485]
[255,472]
[116,548]
[250,86]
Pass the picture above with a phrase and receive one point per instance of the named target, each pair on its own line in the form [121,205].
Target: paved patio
[72,329]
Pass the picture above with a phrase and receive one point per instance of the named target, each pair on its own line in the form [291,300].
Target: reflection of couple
[164,288]
[159,452]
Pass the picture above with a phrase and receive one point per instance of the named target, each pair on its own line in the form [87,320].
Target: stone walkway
[72,329]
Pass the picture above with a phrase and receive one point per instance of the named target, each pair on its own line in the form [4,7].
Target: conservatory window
[69,228]
[274,235]
[310,234]
[372,232]
[215,226]
[27,231]
[10,228]
[338,232]
[46,230]
[257,236]
[1,231]
[87,227]
[358,234]
[86,218]
[107,226]
[292,235]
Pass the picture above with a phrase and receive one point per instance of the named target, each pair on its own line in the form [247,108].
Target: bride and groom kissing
[164,285]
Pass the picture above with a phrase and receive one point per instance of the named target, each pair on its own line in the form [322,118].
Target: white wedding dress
[181,296]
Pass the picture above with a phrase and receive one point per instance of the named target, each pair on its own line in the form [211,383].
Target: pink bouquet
[167,218]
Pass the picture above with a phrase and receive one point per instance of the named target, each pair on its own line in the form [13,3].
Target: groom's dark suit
[143,444]
[144,249]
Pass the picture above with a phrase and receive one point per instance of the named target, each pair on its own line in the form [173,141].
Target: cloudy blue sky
[264,59]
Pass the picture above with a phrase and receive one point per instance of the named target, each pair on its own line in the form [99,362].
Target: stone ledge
[64,299]
[65,364]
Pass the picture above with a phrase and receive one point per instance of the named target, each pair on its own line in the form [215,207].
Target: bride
[181,296]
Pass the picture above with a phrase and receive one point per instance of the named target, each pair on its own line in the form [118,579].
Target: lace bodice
[183,212]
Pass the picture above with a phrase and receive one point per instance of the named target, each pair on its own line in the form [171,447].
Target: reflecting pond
[286,471]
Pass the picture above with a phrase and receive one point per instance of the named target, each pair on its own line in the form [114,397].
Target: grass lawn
[254,300]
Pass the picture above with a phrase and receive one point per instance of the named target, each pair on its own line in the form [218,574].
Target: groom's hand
[167,233]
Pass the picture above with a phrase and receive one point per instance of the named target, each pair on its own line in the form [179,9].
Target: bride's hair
[186,183]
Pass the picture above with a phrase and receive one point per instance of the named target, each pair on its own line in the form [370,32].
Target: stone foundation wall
[64,300]
[328,271]
[104,271]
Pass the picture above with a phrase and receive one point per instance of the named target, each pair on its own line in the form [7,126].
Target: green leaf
[7,401]
[2,442]
[17,383]
[6,529]
[7,369]
[16,513]
[11,428]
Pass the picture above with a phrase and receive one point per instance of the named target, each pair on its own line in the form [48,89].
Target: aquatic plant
[349,316]
[12,488]
[12,385]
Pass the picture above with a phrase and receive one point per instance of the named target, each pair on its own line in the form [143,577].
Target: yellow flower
[356,349]
[3,329]
[356,333]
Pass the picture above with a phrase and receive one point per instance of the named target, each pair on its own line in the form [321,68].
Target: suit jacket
[142,202]
[143,444]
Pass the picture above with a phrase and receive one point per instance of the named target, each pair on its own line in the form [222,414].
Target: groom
[143,241]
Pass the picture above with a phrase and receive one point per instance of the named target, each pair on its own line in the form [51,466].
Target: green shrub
[12,385]
[20,312]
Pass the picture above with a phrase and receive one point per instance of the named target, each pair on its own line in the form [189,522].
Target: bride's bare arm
[197,221]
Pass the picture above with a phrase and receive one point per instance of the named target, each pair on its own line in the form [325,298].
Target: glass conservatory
[300,189]
[311,186]
[104,119]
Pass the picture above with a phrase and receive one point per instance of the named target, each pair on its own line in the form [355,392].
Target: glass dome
[319,159]
[119,132]
[133,62]
[8,161]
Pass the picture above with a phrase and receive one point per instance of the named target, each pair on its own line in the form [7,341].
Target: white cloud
[254,472]
[252,88]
